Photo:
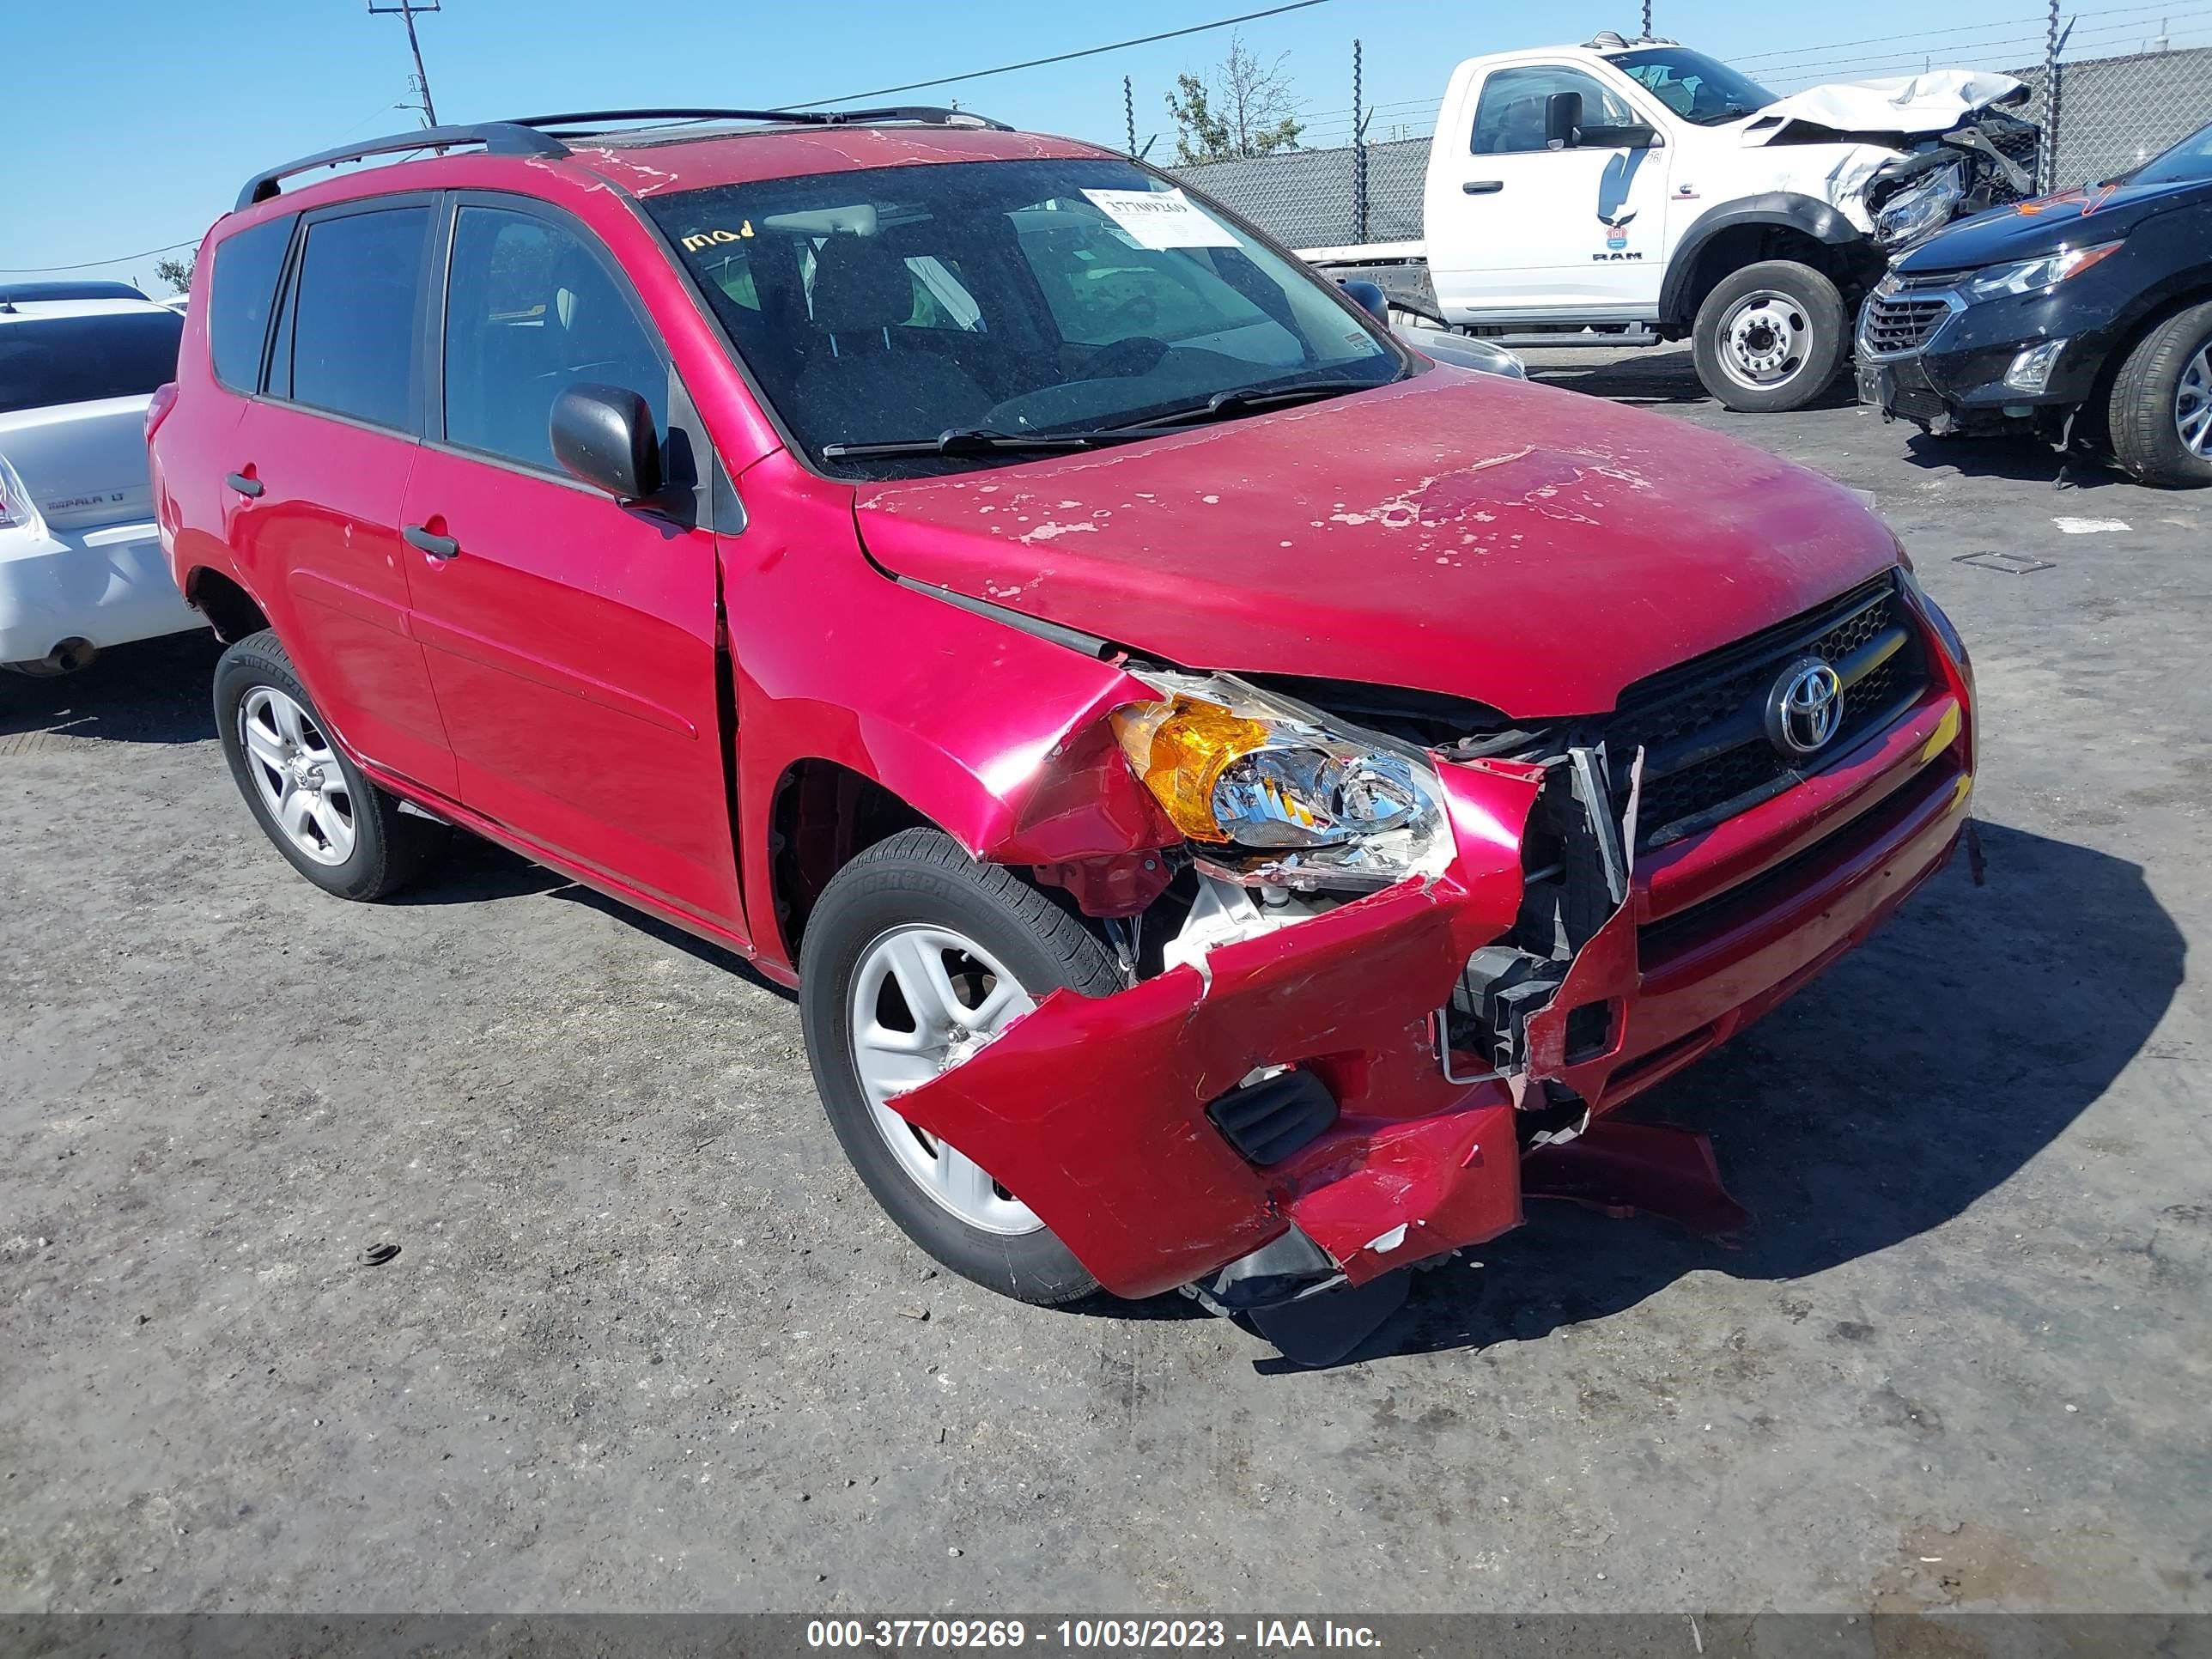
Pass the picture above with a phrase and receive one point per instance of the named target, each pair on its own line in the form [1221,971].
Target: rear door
[319,472]
[572,640]
[1518,231]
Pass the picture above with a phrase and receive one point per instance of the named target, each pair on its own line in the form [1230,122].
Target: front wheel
[2160,413]
[1769,337]
[914,958]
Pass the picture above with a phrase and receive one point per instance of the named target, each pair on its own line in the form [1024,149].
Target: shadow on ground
[155,691]
[1919,1074]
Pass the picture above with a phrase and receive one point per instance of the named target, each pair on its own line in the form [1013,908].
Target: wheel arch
[2153,308]
[1775,225]
[231,611]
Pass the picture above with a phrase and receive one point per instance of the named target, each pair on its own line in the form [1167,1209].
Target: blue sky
[131,122]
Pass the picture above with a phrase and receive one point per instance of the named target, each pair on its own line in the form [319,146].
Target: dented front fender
[1093,1111]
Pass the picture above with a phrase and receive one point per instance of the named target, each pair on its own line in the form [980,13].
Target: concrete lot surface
[648,1344]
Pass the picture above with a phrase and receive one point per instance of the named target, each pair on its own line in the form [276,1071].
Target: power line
[1059,57]
[87,264]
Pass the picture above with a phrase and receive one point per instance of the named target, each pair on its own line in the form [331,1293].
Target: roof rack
[527,136]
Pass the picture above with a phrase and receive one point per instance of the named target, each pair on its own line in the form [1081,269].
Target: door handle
[437,546]
[248,487]
[1483,187]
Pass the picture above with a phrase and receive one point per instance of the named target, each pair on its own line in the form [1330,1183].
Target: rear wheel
[1769,337]
[338,830]
[2159,417]
[916,957]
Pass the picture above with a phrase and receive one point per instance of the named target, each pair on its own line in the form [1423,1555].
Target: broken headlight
[1275,798]
[1921,207]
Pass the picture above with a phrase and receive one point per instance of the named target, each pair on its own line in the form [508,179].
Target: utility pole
[405,10]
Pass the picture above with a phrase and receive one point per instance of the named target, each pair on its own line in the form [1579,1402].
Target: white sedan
[80,560]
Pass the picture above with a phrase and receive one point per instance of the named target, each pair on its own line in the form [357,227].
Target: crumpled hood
[1910,106]
[1530,548]
[2021,230]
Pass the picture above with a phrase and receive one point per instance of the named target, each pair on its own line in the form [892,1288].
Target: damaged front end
[1983,163]
[1362,991]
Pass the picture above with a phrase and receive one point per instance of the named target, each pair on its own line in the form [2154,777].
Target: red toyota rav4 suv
[1237,798]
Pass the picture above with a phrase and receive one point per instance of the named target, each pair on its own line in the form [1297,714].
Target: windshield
[2188,161]
[1695,87]
[45,361]
[1026,298]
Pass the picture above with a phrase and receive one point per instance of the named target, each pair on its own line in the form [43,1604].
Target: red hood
[1532,549]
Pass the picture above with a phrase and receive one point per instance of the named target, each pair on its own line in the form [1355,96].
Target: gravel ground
[648,1344]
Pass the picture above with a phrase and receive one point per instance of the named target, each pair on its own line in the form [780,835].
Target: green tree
[177,273]
[1248,111]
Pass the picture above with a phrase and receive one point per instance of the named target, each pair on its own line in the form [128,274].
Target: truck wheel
[338,830]
[2160,413]
[916,955]
[1769,337]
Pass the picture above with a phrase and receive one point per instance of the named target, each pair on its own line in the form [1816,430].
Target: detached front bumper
[1095,1112]
[109,585]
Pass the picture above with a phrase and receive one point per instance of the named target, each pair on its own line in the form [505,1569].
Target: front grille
[1702,725]
[1902,322]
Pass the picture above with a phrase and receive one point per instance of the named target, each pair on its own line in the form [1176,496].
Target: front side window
[240,294]
[530,311]
[1700,89]
[1509,119]
[352,334]
[45,361]
[1023,298]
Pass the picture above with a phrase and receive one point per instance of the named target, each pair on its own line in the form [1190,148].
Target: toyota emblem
[1805,708]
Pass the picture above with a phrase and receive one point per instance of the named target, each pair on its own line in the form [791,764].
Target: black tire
[924,876]
[1814,300]
[391,849]
[2140,417]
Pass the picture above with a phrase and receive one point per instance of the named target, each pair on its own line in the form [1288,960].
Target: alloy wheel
[2192,404]
[925,997]
[298,775]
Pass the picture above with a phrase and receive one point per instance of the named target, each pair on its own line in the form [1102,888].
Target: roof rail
[926,114]
[498,138]
[526,136]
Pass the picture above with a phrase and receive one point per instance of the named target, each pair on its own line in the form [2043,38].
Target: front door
[1519,231]
[572,640]
[318,470]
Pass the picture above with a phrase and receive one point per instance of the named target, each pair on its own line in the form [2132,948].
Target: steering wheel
[1131,355]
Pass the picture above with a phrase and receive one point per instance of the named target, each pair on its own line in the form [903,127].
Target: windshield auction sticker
[1161,219]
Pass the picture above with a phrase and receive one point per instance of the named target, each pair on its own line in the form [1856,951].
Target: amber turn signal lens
[1179,749]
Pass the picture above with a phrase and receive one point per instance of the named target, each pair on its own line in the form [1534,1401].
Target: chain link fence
[2111,113]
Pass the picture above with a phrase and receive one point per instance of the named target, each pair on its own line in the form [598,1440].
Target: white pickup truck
[1639,187]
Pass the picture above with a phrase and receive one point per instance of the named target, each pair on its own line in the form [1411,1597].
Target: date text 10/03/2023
[1255,1636]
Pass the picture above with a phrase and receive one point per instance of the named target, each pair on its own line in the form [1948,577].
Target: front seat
[861,382]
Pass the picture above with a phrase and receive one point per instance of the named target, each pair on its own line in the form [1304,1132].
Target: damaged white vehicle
[1642,190]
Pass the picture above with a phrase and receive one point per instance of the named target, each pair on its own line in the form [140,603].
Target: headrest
[860,285]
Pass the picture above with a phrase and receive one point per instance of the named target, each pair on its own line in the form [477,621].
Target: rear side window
[352,334]
[530,312]
[244,286]
[45,361]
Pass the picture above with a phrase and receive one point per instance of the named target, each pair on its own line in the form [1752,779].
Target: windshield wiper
[967,440]
[1243,400]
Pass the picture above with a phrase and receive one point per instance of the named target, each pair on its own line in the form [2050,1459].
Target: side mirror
[1369,299]
[602,436]
[1563,120]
